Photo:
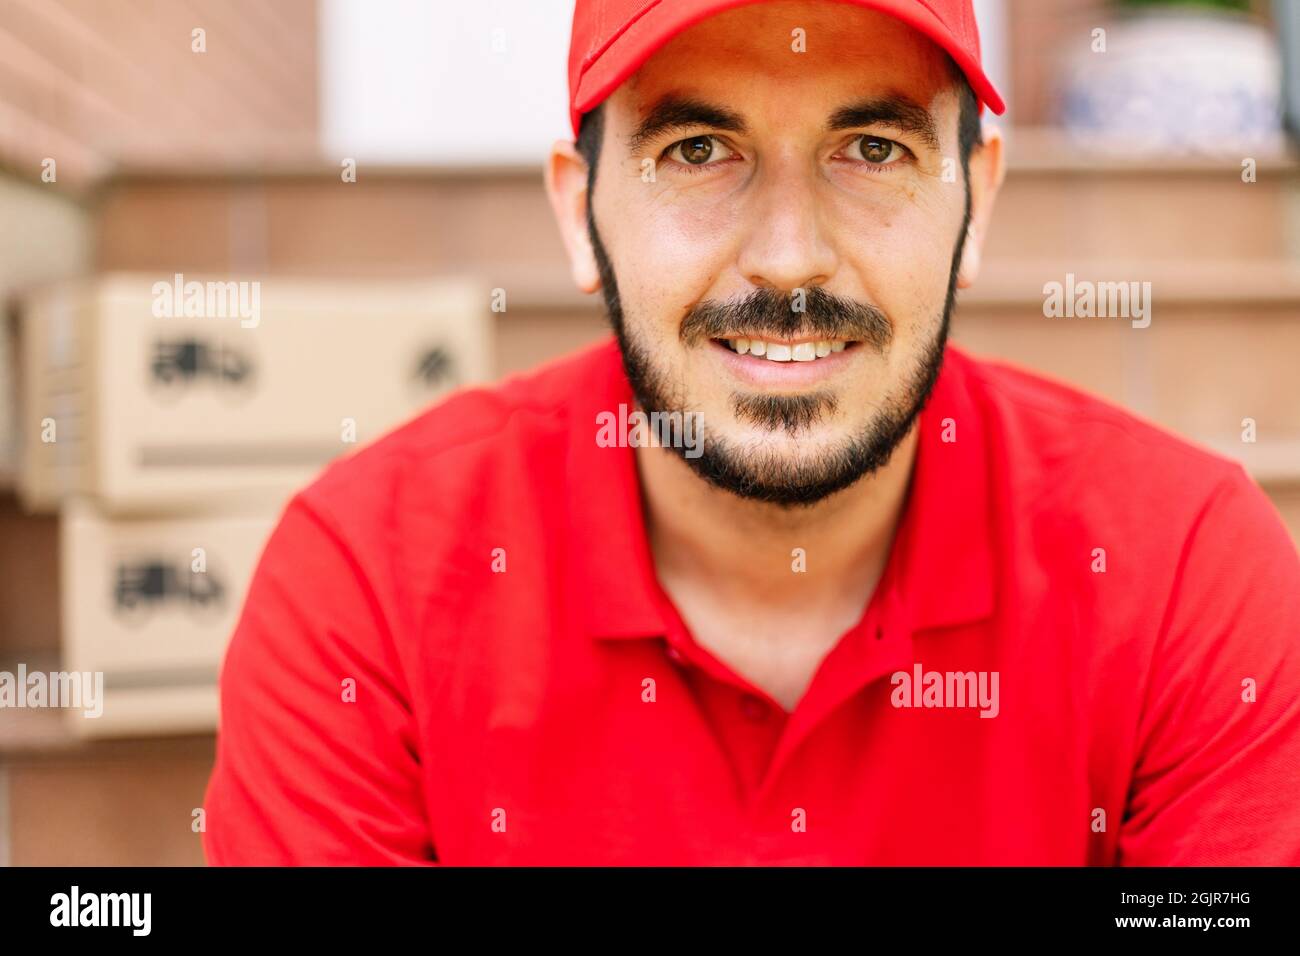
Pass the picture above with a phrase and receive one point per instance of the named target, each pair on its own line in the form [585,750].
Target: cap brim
[663,21]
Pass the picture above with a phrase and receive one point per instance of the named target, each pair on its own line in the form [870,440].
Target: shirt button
[674,654]
[753,708]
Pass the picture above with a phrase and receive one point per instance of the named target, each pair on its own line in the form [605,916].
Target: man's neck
[731,564]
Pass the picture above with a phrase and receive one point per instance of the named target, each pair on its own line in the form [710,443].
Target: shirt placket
[879,645]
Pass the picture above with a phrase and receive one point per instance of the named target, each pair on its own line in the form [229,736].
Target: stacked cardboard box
[167,419]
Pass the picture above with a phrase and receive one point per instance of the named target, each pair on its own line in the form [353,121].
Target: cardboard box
[179,393]
[151,604]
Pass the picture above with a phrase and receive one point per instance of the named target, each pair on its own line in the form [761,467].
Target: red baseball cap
[612,38]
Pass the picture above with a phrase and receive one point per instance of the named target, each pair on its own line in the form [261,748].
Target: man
[886,604]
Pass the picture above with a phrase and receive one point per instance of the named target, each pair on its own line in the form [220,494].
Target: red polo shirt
[455,649]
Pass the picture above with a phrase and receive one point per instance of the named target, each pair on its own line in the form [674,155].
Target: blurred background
[367,175]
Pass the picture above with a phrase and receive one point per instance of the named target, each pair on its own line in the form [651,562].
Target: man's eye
[697,151]
[876,150]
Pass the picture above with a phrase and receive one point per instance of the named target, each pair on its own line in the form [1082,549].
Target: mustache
[773,314]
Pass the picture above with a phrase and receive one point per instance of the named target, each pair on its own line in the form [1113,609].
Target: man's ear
[987,167]
[566,186]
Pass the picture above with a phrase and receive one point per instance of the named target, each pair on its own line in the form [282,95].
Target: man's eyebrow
[891,110]
[679,112]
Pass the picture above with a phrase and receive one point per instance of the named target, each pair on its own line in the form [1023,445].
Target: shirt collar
[610,568]
[945,543]
[940,568]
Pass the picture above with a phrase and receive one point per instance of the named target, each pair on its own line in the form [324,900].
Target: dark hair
[591,130]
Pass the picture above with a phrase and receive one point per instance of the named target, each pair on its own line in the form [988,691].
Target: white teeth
[781,352]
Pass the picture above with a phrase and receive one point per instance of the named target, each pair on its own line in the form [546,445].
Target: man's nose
[786,247]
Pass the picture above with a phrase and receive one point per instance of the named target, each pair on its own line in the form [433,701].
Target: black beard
[767,477]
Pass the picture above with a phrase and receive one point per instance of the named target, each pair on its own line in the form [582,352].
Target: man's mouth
[784,351]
